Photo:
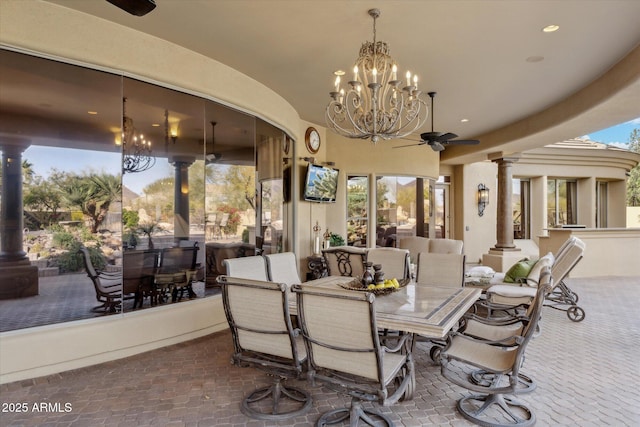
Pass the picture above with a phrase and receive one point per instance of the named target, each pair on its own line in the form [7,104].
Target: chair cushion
[519,271]
[510,295]
[545,261]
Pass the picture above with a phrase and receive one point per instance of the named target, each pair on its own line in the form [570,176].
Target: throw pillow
[545,261]
[519,271]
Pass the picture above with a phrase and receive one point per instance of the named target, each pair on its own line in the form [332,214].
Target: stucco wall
[479,231]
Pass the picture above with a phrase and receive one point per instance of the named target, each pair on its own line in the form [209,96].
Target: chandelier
[376,103]
[136,150]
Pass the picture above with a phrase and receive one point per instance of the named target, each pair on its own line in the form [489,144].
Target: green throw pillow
[519,271]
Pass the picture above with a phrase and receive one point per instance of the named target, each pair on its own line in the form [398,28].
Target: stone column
[18,278]
[181,198]
[504,230]
[505,252]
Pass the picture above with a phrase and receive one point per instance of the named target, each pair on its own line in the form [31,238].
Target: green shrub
[71,261]
[63,240]
[245,235]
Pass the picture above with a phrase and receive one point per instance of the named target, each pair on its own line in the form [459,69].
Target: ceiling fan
[437,140]
[135,7]
[212,156]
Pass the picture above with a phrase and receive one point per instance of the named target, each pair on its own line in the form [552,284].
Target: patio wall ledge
[608,252]
[46,350]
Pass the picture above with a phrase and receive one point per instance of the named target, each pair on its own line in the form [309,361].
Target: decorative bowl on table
[356,285]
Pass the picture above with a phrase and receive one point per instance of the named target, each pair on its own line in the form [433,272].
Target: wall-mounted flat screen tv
[321,184]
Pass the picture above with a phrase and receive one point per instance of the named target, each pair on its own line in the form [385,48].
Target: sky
[44,159]
[617,135]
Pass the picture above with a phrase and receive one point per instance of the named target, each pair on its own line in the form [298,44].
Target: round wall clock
[312,140]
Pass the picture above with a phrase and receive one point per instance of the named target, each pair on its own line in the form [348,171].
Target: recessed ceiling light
[155,125]
[464,120]
[339,72]
[93,113]
[550,28]
[535,58]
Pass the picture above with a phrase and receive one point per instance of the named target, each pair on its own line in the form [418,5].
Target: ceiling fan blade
[410,145]
[446,136]
[462,142]
[135,7]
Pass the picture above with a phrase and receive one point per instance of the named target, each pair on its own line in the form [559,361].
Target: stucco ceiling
[476,54]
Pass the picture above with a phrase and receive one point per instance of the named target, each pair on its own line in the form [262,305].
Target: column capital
[13,146]
[501,157]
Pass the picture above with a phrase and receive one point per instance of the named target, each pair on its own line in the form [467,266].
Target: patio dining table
[430,311]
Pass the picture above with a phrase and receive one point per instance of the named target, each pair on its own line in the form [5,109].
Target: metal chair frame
[371,388]
[248,353]
[470,351]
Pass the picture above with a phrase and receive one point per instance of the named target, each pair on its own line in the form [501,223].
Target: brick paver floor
[587,375]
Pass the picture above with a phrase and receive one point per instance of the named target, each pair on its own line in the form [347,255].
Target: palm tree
[148,229]
[93,194]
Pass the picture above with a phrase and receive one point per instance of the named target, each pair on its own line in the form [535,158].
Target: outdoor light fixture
[376,104]
[483,198]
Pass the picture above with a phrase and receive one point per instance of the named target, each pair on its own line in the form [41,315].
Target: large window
[602,196]
[402,208]
[561,202]
[214,180]
[357,210]
[520,200]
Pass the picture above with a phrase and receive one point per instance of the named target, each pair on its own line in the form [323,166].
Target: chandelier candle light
[377,104]
[136,151]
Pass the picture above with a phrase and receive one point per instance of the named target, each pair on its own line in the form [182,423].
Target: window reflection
[216,173]
[402,208]
[357,208]
[561,202]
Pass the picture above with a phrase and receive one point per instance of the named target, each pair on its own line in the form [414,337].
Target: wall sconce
[308,159]
[329,163]
[483,198]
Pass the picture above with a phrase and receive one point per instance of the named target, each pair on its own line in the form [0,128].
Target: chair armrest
[497,321]
[510,341]
[402,343]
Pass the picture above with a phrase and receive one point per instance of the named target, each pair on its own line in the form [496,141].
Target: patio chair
[440,269]
[560,298]
[138,272]
[502,358]
[345,353]
[251,267]
[108,286]
[345,261]
[415,245]
[283,268]
[394,262]
[178,268]
[264,338]
[446,246]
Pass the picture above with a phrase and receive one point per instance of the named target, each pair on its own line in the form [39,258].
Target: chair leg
[483,378]
[290,397]
[512,412]
[354,414]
